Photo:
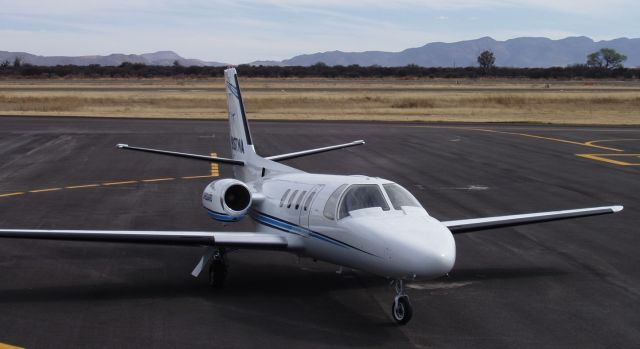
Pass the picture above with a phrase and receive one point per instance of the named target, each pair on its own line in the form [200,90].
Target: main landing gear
[218,268]
[401,309]
[214,258]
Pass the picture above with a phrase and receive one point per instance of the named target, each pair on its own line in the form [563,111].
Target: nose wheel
[401,309]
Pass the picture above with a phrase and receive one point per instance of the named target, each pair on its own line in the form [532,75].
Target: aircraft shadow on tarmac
[315,305]
[501,273]
[272,282]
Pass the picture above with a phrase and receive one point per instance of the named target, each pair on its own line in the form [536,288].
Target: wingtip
[120,146]
[617,208]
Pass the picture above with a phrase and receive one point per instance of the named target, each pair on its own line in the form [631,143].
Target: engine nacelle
[227,200]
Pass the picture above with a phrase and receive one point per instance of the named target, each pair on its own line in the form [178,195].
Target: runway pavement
[572,283]
[290,89]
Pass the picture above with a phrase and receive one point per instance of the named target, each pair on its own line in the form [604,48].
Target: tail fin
[242,148]
[248,166]
[240,136]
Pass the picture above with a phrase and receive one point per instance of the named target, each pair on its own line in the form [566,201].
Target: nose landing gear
[401,309]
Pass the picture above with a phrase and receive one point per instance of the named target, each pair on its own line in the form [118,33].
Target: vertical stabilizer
[242,147]
[240,137]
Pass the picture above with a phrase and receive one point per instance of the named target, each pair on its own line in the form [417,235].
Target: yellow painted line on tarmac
[120,183]
[82,186]
[44,190]
[215,169]
[11,194]
[608,158]
[96,185]
[612,140]
[591,144]
[197,177]
[214,172]
[584,144]
[8,346]
[158,179]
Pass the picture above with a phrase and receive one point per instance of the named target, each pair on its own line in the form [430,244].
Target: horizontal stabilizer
[312,151]
[475,224]
[184,155]
[226,239]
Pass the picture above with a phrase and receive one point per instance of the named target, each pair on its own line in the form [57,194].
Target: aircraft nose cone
[438,254]
[444,258]
[426,253]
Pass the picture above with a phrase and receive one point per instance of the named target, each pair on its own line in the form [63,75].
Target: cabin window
[360,196]
[284,197]
[293,196]
[332,203]
[300,199]
[400,196]
[309,199]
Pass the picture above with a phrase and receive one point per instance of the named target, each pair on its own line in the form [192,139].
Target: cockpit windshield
[360,196]
[400,196]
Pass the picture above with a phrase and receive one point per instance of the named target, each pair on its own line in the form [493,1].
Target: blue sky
[246,30]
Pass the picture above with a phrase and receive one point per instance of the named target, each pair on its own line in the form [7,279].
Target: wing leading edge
[298,154]
[476,224]
[183,155]
[226,239]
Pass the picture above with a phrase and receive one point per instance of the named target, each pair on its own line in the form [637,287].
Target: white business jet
[365,223]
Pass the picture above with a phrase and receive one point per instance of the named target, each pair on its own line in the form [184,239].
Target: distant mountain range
[156,58]
[518,52]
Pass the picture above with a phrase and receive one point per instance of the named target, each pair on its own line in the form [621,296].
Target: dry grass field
[576,102]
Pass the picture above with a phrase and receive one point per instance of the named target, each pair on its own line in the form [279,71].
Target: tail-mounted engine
[227,200]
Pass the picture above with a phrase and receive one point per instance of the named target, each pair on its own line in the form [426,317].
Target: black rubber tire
[217,274]
[403,313]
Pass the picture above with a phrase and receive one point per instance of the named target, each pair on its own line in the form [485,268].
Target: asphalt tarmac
[573,283]
[396,89]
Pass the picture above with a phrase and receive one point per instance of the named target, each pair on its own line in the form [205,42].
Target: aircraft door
[305,210]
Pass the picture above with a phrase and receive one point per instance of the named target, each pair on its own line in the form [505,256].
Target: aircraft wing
[222,239]
[476,224]
[298,154]
[183,155]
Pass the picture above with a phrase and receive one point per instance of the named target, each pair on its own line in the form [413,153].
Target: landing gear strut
[401,309]
[218,269]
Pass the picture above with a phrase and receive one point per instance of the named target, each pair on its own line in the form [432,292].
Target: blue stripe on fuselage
[288,227]
[221,216]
